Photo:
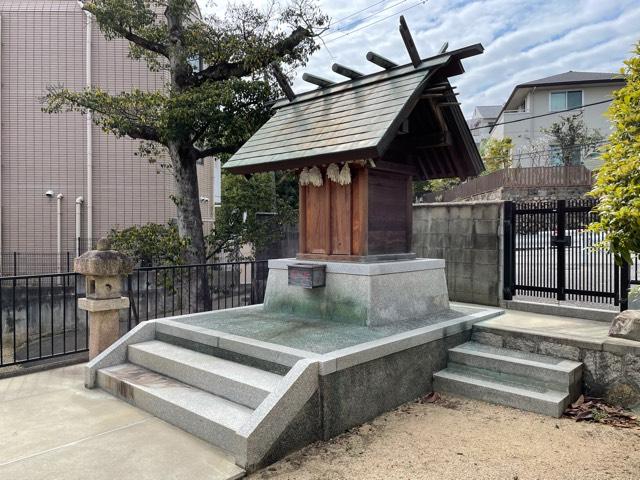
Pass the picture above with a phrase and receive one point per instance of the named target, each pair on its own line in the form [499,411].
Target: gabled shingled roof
[352,120]
[572,77]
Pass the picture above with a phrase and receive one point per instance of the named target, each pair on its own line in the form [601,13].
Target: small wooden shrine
[357,145]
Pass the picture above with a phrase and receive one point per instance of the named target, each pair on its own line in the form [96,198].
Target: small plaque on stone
[307,275]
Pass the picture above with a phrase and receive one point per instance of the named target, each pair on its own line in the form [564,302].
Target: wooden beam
[346,71]
[408,42]
[319,81]
[441,86]
[380,60]
[437,95]
[282,81]
[448,104]
[438,115]
[443,48]
[421,167]
[389,166]
[429,140]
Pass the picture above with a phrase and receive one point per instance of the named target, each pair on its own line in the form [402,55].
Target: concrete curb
[117,352]
[594,314]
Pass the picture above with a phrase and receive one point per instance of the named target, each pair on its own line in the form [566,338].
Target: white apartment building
[482,120]
[520,120]
[63,181]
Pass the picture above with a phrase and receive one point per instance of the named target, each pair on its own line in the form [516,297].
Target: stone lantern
[104,270]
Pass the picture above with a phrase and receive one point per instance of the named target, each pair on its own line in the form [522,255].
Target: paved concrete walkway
[51,428]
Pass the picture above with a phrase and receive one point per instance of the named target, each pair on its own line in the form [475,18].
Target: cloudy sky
[523,40]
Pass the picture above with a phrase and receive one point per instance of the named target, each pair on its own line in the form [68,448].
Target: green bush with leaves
[254,212]
[150,244]
[496,154]
[572,139]
[618,181]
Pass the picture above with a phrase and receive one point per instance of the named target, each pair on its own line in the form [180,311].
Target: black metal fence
[41,262]
[35,263]
[40,319]
[550,253]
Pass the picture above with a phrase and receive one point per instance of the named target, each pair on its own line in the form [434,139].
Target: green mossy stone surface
[312,334]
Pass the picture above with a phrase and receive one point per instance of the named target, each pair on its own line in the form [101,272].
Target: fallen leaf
[578,402]
[432,397]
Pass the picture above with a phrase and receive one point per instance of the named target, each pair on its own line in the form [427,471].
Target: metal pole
[561,246]
[79,202]
[508,232]
[59,231]
[89,129]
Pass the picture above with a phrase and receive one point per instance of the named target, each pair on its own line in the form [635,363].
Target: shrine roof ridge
[383,75]
[408,114]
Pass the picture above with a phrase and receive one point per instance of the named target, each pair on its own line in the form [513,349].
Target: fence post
[15,263]
[509,245]
[561,248]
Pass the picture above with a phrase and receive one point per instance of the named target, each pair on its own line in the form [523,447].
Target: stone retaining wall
[611,369]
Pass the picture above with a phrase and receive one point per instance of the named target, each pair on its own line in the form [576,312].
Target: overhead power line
[340,20]
[544,114]
[376,22]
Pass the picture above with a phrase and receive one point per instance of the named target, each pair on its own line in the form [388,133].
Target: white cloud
[523,40]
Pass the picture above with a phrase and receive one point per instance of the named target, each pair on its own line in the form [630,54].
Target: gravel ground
[464,439]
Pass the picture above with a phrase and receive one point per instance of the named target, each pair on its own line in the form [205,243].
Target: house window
[556,157]
[565,100]
[196,64]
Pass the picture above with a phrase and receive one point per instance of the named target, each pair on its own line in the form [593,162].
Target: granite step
[564,374]
[207,416]
[501,388]
[241,384]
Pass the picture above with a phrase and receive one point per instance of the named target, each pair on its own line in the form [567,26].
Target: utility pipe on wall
[59,198]
[89,22]
[0,147]
[79,202]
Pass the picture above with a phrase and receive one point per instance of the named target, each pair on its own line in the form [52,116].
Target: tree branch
[128,34]
[211,151]
[198,134]
[145,43]
[224,70]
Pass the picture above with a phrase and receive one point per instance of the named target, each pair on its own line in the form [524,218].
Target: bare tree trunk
[190,227]
[187,198]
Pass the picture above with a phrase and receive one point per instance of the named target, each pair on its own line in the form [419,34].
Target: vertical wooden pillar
[302,219]
[360,213]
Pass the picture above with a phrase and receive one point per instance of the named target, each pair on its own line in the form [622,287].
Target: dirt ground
[458,439]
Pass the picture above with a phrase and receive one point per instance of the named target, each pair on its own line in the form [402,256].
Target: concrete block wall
[468,236]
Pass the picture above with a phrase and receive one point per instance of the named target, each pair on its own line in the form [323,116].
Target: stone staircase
[523,380]
[234,401]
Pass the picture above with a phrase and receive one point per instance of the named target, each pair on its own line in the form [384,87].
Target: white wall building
[520,117]
[483,118]
[63,181]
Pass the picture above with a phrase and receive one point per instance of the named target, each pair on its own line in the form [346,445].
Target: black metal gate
[549,252]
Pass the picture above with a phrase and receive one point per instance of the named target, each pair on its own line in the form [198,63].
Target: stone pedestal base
[372,294]
[104,328]
[104,321]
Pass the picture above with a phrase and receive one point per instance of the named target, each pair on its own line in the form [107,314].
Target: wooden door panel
[340,219]
[317,219]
